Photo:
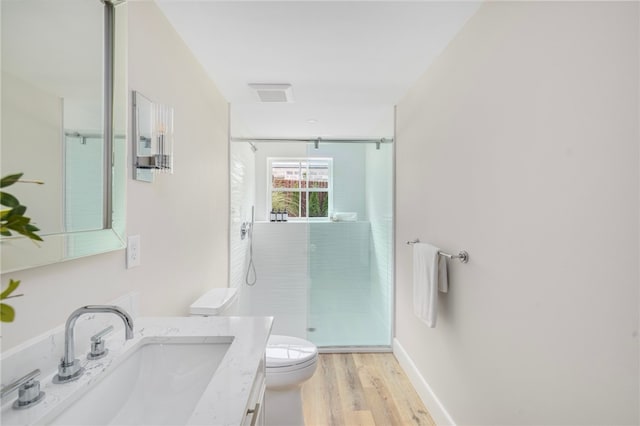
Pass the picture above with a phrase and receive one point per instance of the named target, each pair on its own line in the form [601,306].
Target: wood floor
[361,389]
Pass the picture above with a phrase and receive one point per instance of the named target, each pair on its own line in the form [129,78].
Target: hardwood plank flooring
[361,389]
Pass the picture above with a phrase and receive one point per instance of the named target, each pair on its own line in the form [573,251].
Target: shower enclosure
[83,193]
[326,274]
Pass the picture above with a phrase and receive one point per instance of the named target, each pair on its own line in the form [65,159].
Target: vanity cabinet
[254,412]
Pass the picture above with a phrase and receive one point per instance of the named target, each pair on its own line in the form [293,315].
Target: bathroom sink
[154,383]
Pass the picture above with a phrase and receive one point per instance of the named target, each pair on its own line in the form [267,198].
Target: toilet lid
[214,302]
[287,351]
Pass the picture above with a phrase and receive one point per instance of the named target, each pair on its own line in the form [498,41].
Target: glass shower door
[350,262]
[83,181]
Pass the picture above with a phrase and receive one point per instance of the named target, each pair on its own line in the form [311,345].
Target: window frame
[307,190]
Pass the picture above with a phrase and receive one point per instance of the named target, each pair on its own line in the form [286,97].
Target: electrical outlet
[133,251]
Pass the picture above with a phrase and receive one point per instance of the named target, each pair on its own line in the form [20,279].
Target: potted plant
[13,220]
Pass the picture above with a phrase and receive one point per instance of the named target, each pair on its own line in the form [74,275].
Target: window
[301,186]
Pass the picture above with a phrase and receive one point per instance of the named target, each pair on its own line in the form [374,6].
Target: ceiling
[349,62]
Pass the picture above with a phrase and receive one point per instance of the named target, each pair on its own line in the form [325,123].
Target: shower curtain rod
[314,140]
[83,135]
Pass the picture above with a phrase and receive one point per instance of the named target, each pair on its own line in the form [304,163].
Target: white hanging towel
[429,276]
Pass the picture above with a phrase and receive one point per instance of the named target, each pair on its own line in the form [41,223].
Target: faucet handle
[29,392]
[97,344]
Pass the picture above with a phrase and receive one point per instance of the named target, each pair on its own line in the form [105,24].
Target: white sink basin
[156,384]
[176,370]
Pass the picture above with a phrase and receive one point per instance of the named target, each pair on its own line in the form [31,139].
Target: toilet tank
[216,302]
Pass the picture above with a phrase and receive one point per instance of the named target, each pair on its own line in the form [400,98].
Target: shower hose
[251,267]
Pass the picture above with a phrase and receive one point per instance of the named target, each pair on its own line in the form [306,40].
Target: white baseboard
[428,397]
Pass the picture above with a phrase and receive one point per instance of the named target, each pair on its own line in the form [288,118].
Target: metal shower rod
[312,140]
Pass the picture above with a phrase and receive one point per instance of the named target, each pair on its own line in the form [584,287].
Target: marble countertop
[223,402]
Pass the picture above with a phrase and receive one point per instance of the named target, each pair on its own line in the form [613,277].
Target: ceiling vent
[273,92]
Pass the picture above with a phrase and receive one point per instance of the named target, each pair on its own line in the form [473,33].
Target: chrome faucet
[70,368]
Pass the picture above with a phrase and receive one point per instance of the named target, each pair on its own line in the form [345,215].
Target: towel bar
[463,256]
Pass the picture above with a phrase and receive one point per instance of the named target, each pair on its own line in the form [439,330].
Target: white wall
[179,217]
[520,145]
[32,144]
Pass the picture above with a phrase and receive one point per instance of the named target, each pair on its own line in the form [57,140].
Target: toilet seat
[287,353]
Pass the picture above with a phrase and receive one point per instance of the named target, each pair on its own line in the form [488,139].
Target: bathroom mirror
[64,106]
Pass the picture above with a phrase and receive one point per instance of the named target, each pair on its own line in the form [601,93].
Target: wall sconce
[153,138]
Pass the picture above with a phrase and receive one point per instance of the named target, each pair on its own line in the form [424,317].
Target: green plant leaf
[15,222]
[33,236]
[13,285]
[21,225]
[31,228]
[8,200]
[14,219]
[19,210]
[10,179]
[7,313]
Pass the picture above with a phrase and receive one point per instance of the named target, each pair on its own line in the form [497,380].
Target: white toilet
[290,361]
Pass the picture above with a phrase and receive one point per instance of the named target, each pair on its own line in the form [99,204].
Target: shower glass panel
[350,256]
[83,182]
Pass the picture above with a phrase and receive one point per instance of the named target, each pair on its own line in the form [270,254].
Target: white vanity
[175,370]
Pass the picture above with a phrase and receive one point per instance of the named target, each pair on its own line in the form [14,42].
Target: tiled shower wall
[313,275]
[281,260]
[83,186]
[242,193]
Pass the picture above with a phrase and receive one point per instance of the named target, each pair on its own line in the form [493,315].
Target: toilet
[290,361]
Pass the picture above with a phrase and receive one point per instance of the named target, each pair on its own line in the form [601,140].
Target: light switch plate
[133,251]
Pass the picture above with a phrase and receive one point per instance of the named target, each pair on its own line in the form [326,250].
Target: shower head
[253,147]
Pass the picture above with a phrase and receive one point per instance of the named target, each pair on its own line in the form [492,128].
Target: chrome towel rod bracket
[462,255]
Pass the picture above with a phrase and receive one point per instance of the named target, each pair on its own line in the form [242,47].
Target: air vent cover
[273,92]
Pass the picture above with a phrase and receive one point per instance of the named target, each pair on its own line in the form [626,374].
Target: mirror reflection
[53,126]
[153,138]
[52,64]
[143,136]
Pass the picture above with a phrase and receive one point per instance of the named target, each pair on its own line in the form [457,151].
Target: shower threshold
[354,349]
